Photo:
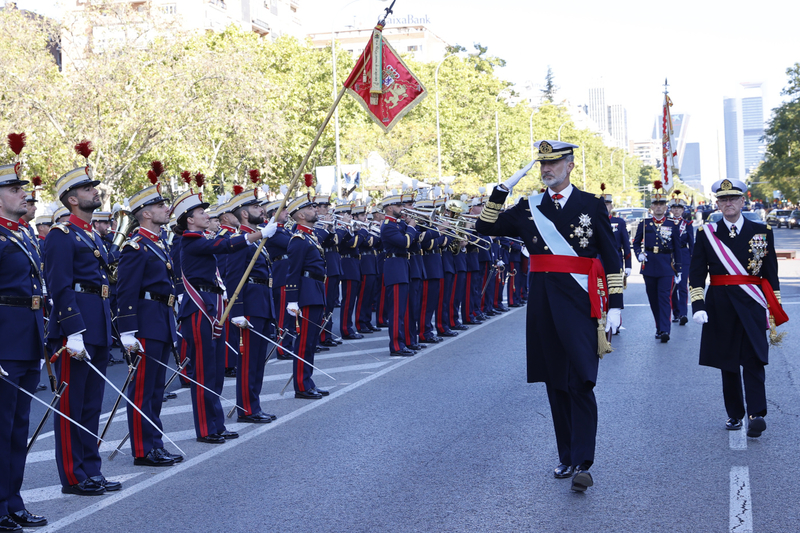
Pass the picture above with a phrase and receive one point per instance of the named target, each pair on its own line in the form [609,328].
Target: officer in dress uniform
[381,311]
[146,296]
[351,273]
[26,219]
[277,246]
[621,235]
[369,272]
[414,307]
[741,304]
[657,245]
[397,237]
[228,227]
[22,330]
[565,230]
[201,310]
[101,224]
[432,275]
[680,292]
[305,293]
[77,273]
[458,290]
[470,309]
[445,301]
[253,309]
[328,236]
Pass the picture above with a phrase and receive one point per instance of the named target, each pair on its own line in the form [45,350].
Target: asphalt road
[453,439]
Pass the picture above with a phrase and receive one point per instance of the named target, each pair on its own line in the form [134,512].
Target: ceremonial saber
[56,396]
[132,404]
[167,384]
[287,384]
[291,352]
[282,205]
[49,407]
[488,279]
[131,370]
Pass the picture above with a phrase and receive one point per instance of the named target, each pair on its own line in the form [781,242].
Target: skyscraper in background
[744,127]
[611,120]
[598,111]
[618,125]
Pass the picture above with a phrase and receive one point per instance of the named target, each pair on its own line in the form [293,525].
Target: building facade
[744,129]
[416,40]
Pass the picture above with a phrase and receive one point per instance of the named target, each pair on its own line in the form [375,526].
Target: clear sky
[705,48]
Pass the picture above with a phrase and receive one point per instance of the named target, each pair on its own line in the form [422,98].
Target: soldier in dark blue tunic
[145,317]
[657,245]
[621,235]
[22,328]
[565,230]
[369,272]
[329,236]
[680,292]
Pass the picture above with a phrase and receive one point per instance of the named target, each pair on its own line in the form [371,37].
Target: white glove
[677,279]
[642,257]
[241,322]
[613,319]
[130,342]
[3,372]
[700,317]
[500,263]
[293,309]
[270,229]
[627,271]
[180,299]
[75,346]
[511,182]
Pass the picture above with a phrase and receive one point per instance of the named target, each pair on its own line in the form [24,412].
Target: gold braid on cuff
[615,283]
[696,293]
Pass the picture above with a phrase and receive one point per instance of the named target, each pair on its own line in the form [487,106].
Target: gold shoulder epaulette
[598,196]
[132,243]
[700,228]
[769,227]
[298,235]
[223,231]
[62,227]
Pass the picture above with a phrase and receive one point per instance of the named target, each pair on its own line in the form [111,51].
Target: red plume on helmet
[309,179]
[676,192]
[657,185]
[158,168]
[37,181]
[237,190]
[16,141]
[603,187]
[84,148]
[186,176]
[199,179]
[255,175]
[151,175]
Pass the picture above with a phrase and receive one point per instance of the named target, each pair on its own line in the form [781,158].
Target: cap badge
[545,147]
[726,185]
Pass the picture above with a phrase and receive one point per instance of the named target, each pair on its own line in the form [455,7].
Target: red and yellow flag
[669,149]
[383,84]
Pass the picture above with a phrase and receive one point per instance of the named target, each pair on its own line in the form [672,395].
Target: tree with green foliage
[549,91]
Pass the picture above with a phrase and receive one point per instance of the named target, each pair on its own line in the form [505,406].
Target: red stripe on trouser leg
[423,308]
[396,318]
[137,441]
[299,377]
[243,373]
[198,375]
[66,425]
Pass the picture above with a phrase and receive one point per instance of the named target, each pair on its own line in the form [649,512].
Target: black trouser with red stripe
[208,368]
[382,310]
[250,373]
[397,304]
[445,310]
[285,320]
[305,345]
[146,390]
[77,456]
[182,354]
[431,292]
[364,306]
[331,293]
[457,293]
[349,292]
[413,310]
[474,288]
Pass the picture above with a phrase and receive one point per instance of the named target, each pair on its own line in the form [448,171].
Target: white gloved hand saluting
[700,317]
[511,182]
[627,272]
[613,320]
[129,341]
[293,309]
[270,229]
[75,346]
[241,322]
[642,257]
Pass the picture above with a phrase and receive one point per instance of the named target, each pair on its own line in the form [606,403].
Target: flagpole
[281,207]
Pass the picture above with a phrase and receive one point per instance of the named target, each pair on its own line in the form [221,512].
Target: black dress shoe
[416,347]
[230,372]
[322,392]
[40,387]
[676,320]
[255,418]
[329,344]
[379,325]
[365,331]
[517,305]
[374,328]
[110,486]
[214,438]
[87,487]
[337,340]
[154,458]
[308,395]
[273,417]
[429,340]
[405,352]
[229,435]
[756,426]
[658,334]
[8,524]
[733,423]
[28,519]
[664,338]
[684,320]
[283,357]
[503,309]
[353,337]
[582,480]
[563,471]
[174,456]
[448,333]
[460,327]
[169,396]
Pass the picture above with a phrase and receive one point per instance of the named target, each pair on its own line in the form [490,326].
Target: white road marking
[741,509]
[210,454]
[737,439]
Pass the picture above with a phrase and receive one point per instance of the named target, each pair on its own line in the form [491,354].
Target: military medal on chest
[584,230]
[758,247]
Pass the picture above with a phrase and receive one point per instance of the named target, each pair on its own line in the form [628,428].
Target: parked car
[779,217]
[632,216]
[716,216]
[704,210]
[794,219]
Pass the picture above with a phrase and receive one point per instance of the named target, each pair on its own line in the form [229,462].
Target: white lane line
[741,509]
[210,454]
[54,491]
[737,439]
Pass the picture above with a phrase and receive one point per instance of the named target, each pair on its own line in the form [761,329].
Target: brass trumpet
[450,227]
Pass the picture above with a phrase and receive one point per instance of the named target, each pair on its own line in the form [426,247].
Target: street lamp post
[497,135]
[530,128]
[438,133]
[559,129]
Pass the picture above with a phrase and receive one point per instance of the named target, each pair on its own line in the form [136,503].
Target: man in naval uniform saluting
[565,231]
[742,303]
